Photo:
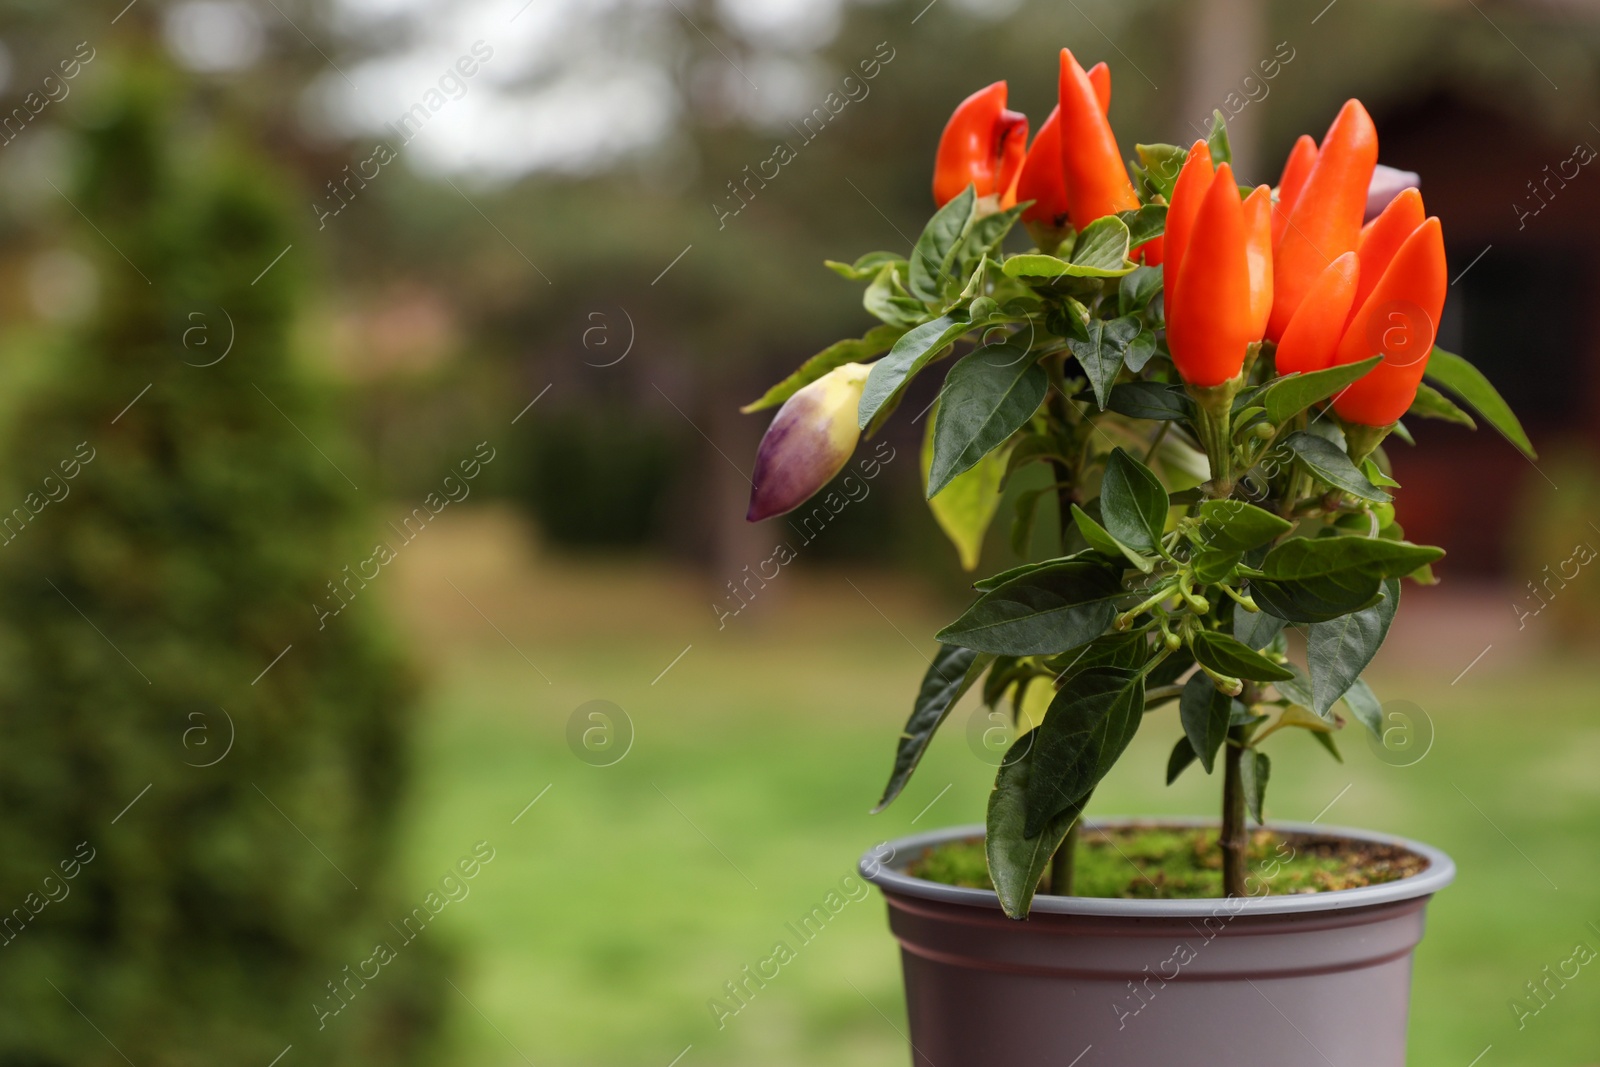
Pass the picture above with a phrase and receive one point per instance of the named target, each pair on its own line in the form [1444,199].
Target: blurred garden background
[382,676]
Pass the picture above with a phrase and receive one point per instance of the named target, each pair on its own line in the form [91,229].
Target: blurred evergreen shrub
[142,606]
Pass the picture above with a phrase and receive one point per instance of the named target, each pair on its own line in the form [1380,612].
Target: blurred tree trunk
[1226,45]
[737,544]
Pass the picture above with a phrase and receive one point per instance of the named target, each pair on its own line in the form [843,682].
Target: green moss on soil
[1165,863]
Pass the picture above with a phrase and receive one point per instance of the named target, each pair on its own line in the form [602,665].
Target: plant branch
[1064,863]
[1233,840]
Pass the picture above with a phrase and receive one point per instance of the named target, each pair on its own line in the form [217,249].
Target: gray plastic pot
[1306,980]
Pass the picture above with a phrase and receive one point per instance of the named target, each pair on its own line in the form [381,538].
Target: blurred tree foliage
[182,830]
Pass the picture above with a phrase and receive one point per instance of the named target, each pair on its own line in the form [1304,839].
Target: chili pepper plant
[1209,374]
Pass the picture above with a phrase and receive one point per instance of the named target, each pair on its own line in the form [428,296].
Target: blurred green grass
[619,904]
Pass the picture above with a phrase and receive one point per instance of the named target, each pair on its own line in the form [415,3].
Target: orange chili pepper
[1399,319]
[1187,192]
[1382,237]
[982,145]
[1326,220]
[1210,320]
[1091,164]
[1302,157]
[1314,332]
[1040,179]
[1258,253]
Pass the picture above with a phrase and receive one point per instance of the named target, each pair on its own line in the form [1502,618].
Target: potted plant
[1201,380]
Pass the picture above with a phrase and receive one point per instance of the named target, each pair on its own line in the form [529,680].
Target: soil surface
[1177,863]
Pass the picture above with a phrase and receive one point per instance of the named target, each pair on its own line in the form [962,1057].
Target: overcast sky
[569,85]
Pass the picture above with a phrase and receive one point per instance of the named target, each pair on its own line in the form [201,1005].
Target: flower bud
[810,440]
[1388,183]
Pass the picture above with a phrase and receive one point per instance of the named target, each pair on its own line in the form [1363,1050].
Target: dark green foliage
[184,558]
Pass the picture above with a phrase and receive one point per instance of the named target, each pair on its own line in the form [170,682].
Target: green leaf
[987,397]
[953,671]
[886,298]
[1145,223]
[1059,606]
[1330,463]
[1238,526]
[1088,726]
[1137,289]
[1016,861]
[995,581]
[1432,404]
[1133,502]
[1338,651]
[1217,140]
[935,250]
[1256,629]
[967,504]
[1162,163]
[865,267]
[1178,762]
[986,233]
[1140,350]
[1039,265]
[1375,475]
[1212,565]
[1151,400]
[1364,705]
[1102,353]
[878,339]
[1257,769]
[1288,396]
[909,355]
[1317,579]
[1232,657]
[1297,690]
[1205,711]
[1299,717]
[1128,651]
[1326,741]
[1103,245]
[1467,382]
[1100,539]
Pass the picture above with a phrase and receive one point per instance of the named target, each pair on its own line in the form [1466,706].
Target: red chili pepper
[982,145]
[1210,320]
[1100,78]
[1382,237]
[1326,220]
[1096,178]
[1187,192]
[1296,169]
[1313,334]
[1258,253]
[1040,179]
[1399,319]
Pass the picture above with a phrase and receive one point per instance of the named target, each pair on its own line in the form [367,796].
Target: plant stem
[1161,435]
[1233,840]
[1065,498]
[1062,864]
[1215,430]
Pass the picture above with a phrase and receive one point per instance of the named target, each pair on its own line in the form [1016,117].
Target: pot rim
[891,877]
